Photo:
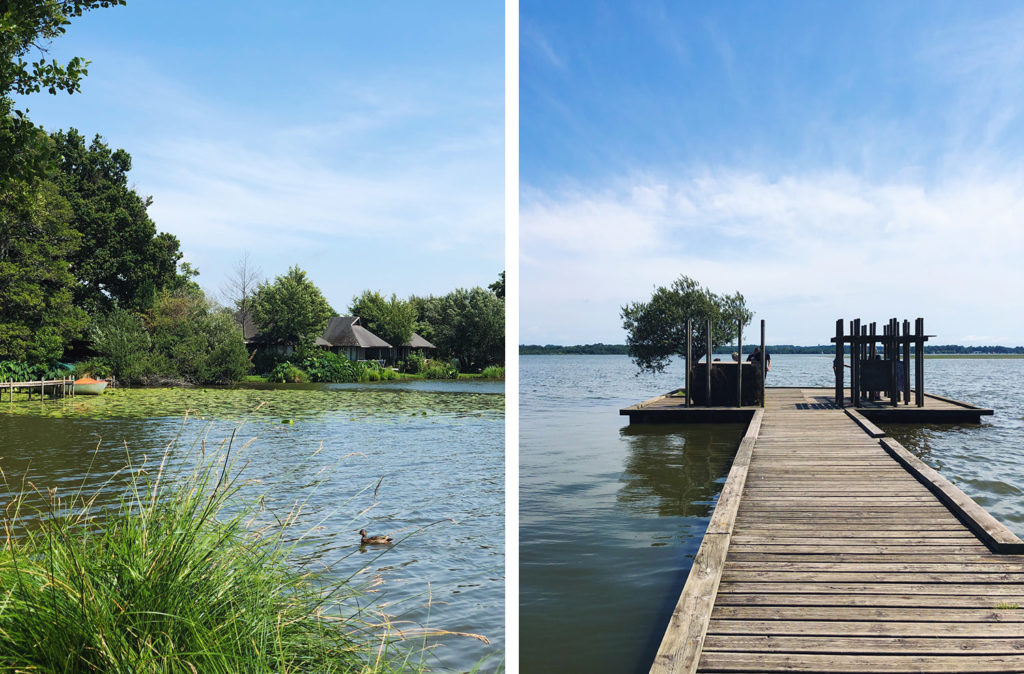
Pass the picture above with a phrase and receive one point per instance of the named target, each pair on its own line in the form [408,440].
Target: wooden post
[892,354]
[919,362]
[838,364]
[764,363]
[708,369]
[739,363]
[689,361]
[855,362]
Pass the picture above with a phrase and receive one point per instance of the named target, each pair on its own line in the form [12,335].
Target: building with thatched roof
[345,336]
[414,344]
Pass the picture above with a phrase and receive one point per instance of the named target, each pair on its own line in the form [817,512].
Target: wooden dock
[64,386]
[834,549]
[671,408]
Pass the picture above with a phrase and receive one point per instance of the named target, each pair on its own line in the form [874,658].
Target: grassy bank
[179,575]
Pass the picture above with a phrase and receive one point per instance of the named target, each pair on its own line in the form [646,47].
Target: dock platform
[670,408]
[834,549]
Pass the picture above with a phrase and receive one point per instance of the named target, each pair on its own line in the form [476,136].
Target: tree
[27,26]
[393,320]
[123,260]
[498,287]
[196,343]
[37,317]
[466,324]
[656,330]
[291,309]
[238,290]
[121,340]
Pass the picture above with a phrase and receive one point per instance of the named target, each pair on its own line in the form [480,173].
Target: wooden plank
[858,663]
[869,613]
[881,645]
[872,600]
[681,645]
[840,628]
[750,587]
[995,534]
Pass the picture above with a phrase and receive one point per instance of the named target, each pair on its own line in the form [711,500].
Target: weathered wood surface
[671,408]
[839,554]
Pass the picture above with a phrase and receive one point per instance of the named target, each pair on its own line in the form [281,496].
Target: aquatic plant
[176,576]
[493,372]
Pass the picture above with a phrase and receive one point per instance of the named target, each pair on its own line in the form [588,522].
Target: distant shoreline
[938,351]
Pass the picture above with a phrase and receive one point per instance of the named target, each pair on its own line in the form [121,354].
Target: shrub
[415,363]
[122,342]
[493,372]
[288,373]
[330,367]
[439,369]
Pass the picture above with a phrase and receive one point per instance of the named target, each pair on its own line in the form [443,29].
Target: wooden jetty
[63,387]
[671,408]
[834,549]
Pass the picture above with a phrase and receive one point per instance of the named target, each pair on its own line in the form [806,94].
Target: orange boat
[87,386]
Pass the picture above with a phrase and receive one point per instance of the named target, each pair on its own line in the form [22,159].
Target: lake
[436,448]
[612,515]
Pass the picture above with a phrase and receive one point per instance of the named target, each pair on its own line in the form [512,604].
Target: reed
[174,576]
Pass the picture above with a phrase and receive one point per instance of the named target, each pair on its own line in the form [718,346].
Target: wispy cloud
[825,241]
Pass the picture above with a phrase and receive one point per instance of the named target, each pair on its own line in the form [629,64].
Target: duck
[374,540]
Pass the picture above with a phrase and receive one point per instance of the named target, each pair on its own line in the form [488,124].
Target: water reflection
[676,470]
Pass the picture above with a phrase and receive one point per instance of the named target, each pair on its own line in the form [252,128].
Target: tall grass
[173,577]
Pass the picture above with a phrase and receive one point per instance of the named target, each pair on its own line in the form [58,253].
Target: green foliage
[288,373]
[94,367]
[415,363]
[439,369]
[27,26]
[468,325]
[493,372]
[327,366]
[200,345]
[172,579]
[291,308]
[393,320]
[498,287]
[123,261]
[37,316]
[656,330]
[121,340]
[19,370]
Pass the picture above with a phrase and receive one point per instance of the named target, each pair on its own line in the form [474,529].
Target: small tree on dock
[656,329]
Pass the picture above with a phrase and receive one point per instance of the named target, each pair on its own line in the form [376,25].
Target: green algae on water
[287,406]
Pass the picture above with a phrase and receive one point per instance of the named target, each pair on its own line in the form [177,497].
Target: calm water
[612,515]
[439,447]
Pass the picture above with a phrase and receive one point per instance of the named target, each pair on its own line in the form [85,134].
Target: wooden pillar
[839,364]
[855,362]
[919,364]
[906,362]
[739,363]
[764,363]
[689,360]
[708,368]
[892,354]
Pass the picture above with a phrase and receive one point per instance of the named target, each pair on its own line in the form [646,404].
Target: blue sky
[827,160]
[363,142]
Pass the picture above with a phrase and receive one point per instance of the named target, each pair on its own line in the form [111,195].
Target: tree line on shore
[85,274]
[601,349]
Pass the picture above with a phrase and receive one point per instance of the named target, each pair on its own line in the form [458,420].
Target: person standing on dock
[755,359]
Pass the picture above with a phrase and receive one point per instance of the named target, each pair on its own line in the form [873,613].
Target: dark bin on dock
[723,384]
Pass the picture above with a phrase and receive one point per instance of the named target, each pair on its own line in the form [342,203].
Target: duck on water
[374,540]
